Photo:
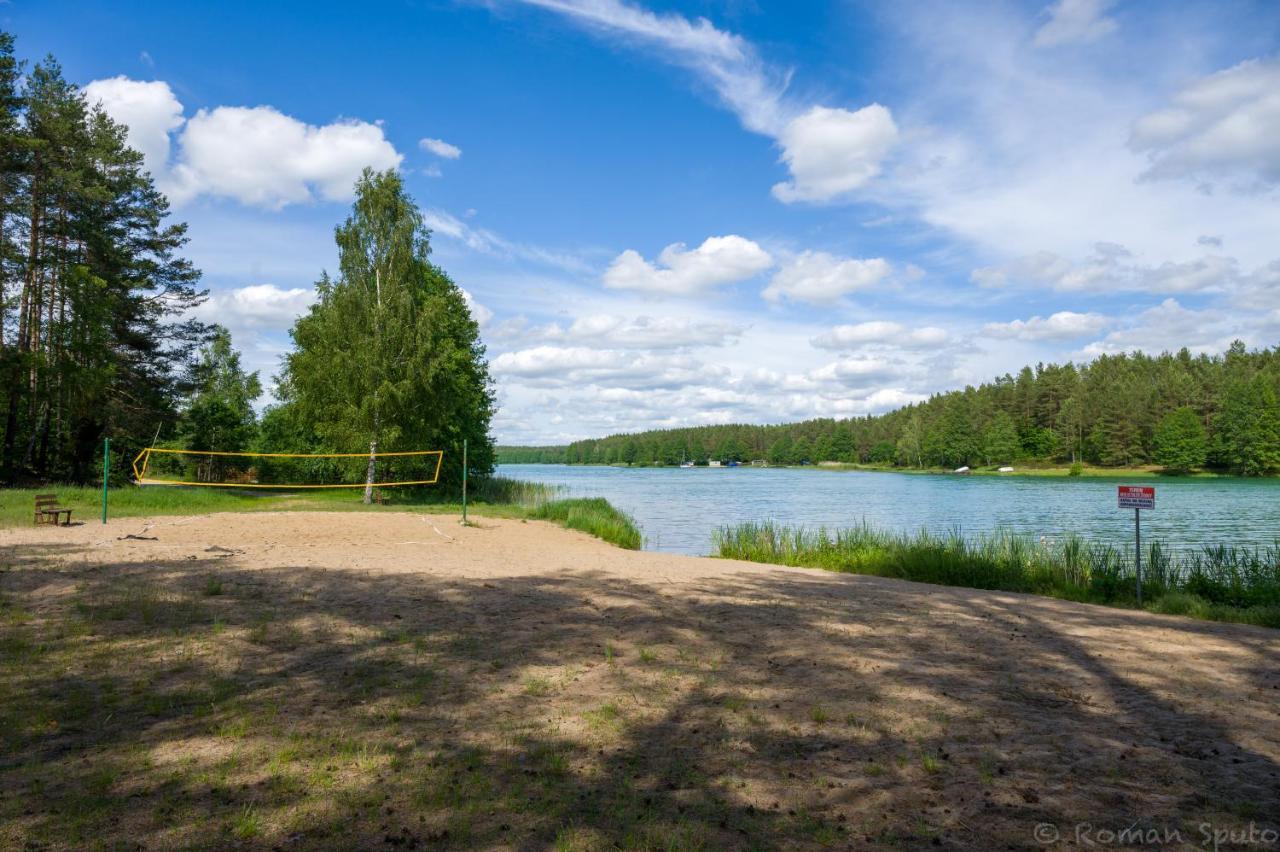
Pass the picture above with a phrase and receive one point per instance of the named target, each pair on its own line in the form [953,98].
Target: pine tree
[1001,440]
[1181,443]
[1248,426]
[219,414]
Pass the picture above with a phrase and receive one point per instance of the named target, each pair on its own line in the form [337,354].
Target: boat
[686,464]
[963,471]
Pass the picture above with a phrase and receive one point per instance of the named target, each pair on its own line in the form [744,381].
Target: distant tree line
[1178,411]
[95,335]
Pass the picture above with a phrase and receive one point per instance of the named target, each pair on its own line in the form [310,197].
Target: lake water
[678,509]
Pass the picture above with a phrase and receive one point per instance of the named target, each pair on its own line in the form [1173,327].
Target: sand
[745,704]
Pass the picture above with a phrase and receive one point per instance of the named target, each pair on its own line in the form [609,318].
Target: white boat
[1006,469]
[962,470]
[686,464]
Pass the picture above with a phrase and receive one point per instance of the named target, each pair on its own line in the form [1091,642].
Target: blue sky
[724,210]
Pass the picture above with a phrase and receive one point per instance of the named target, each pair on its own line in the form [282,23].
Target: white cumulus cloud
[256,155]
[1063,325]
[644,332]
[257,306]
[148,109]
[680,271]
[1225,124]
[832,152]
[880,332]
[821,278]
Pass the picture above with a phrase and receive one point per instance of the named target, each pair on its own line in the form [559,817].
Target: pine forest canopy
[1178,411]
[97,339]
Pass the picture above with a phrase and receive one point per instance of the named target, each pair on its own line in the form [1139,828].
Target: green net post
[106,468]
[464,480]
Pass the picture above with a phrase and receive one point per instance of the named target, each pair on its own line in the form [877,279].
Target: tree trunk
[368,476]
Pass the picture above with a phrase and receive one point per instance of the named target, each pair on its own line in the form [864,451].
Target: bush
[1077,469]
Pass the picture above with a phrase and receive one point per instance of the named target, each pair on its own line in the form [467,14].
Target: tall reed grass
[593,515]
[1218,582]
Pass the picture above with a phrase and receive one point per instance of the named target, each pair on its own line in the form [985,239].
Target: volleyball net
[163,466]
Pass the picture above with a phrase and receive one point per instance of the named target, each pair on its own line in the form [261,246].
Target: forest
[98,340]
[1179,411]
[95,335]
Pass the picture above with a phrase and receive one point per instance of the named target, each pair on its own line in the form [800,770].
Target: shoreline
[1106,473]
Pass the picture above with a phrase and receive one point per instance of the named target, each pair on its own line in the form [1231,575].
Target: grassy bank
[492,497]
[592,515]
[1219,583]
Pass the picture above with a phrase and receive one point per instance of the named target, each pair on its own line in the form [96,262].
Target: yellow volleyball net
[163,466]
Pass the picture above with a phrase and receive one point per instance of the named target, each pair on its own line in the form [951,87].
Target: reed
[593,515]
[1220,582]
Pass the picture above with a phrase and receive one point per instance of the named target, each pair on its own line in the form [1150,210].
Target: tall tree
[1248,426]
[92,335]
[389,356]
[1181,442]
[1000,444]
[219,414]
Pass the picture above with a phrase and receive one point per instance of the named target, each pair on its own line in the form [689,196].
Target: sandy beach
[396,680]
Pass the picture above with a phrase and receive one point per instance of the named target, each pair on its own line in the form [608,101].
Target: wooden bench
[48,511]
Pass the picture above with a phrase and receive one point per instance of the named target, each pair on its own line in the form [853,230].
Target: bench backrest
[43,500]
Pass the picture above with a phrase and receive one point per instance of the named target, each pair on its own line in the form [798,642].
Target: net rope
[144,457]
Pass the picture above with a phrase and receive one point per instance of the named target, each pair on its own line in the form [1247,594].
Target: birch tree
[389,358]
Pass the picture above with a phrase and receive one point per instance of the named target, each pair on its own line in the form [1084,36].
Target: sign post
[1137,497]
[106,467]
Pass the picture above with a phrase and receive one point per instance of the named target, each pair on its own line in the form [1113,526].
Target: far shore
[1048,471]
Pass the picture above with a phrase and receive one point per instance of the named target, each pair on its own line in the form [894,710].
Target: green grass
[490,497]
[1219,583]
[592,515]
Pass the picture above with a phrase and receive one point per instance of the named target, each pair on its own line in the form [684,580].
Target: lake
[678,509]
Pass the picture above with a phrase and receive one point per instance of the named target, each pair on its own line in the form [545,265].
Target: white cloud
[820,278]
[1075,21]
[724,60]
[484,241]
[1064,325]
[256,155]
[149,110]
[644,332]
[440,148]
[880,332]
[1110,269]
[479,312]
[571,366]
[257,306]
[859,372]
[1226,124]
[684,272]
[262,157]
[832,152]
[1168,327]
